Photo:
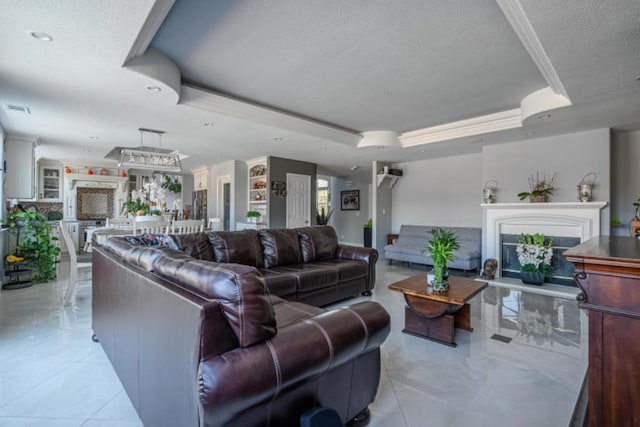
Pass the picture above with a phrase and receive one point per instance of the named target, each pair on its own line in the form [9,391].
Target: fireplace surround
[579,220]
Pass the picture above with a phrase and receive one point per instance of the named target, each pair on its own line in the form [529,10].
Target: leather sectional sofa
[199,342]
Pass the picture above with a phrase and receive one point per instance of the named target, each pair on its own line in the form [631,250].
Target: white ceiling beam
[212,101]
[495,122]
[156,17]
[520,23]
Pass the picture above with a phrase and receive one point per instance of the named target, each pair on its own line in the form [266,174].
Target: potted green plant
[541,188]
[442,248]
[323,217]
[35,243]
[253,216]
[172,185]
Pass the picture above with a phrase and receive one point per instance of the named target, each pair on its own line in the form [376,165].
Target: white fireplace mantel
[570,219]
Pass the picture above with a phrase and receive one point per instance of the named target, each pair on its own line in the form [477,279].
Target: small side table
[19,276]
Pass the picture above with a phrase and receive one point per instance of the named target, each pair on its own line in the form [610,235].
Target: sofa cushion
[317,243]
[241,247]
[347,270]
[280,247]
[279,283]
[195,244]
[152,240]
[239,289]
[311,276]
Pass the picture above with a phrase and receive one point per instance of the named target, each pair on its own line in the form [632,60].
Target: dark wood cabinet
[608,273]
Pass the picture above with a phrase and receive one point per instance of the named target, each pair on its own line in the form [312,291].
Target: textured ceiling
[358,64]
[362,65]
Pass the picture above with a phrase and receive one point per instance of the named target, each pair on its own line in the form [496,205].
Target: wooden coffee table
[435,315]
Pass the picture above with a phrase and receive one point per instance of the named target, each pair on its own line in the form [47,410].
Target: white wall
[448,191]
[444,191]
[625,178]
[349,224]
[572,156]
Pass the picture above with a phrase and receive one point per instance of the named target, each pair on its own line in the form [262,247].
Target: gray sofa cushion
[412,239]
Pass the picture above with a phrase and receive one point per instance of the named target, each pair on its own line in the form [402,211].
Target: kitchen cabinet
[19,169]
[200,179]
[258,188]
[50,183]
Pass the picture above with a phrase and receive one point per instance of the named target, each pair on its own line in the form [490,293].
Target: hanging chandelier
[145,157]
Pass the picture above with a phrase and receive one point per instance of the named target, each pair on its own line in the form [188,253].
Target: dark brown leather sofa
[203,343]
[304,264]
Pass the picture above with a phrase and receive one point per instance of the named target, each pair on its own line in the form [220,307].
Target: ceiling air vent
[18,109]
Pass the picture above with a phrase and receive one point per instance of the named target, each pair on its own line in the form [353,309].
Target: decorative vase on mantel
[532,277]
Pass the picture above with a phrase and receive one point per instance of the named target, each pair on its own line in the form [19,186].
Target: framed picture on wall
[350,200]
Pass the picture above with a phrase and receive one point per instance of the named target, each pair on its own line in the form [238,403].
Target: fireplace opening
[561,269]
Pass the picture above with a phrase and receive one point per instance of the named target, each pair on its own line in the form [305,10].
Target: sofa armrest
[244,377]
[356,253]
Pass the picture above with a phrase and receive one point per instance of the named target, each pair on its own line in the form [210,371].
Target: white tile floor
[52,374]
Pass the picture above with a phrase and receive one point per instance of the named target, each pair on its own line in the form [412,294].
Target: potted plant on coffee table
[442,248]
[534,257]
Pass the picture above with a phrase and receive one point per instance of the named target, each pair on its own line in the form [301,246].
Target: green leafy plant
[172,185]
[253,214]
[442,248]
[323,217]
[35,242]
[369,224]
[541,188]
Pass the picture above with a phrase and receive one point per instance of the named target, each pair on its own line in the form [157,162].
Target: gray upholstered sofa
[411,242]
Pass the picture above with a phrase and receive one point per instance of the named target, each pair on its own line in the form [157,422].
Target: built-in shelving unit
[258,188]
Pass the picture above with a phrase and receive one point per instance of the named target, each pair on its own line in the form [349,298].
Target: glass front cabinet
[50,184]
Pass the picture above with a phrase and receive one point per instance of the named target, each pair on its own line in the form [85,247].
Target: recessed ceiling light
[154,88]
[208,124]
[354,167]
[638,78]
[41,36]
[277,139]
[423,151]
[323,149]
[544,116]
[529,133]
[94,137]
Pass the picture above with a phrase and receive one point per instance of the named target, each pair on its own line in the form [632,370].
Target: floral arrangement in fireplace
[534,255]
[148,201]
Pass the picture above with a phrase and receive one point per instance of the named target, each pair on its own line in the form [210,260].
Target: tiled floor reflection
[52,374]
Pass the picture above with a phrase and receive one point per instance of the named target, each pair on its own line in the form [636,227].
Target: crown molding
[495,122]
[202,99]
[520,23]
[156,17]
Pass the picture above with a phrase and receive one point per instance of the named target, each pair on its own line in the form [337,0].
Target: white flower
[534,256]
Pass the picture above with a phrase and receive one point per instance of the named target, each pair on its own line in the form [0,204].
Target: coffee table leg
[463,318]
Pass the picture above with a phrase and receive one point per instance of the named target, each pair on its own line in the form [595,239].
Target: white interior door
[298,200]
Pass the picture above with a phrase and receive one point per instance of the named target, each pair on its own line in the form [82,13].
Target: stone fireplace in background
[569,223]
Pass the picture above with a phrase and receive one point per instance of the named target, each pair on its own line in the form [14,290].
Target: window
[324,195]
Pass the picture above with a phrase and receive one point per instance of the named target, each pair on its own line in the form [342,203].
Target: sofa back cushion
[280,247]
[240,247]
[195,244]
[317,243]
[239,289]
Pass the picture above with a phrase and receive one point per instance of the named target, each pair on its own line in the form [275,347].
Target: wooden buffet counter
[608,273]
